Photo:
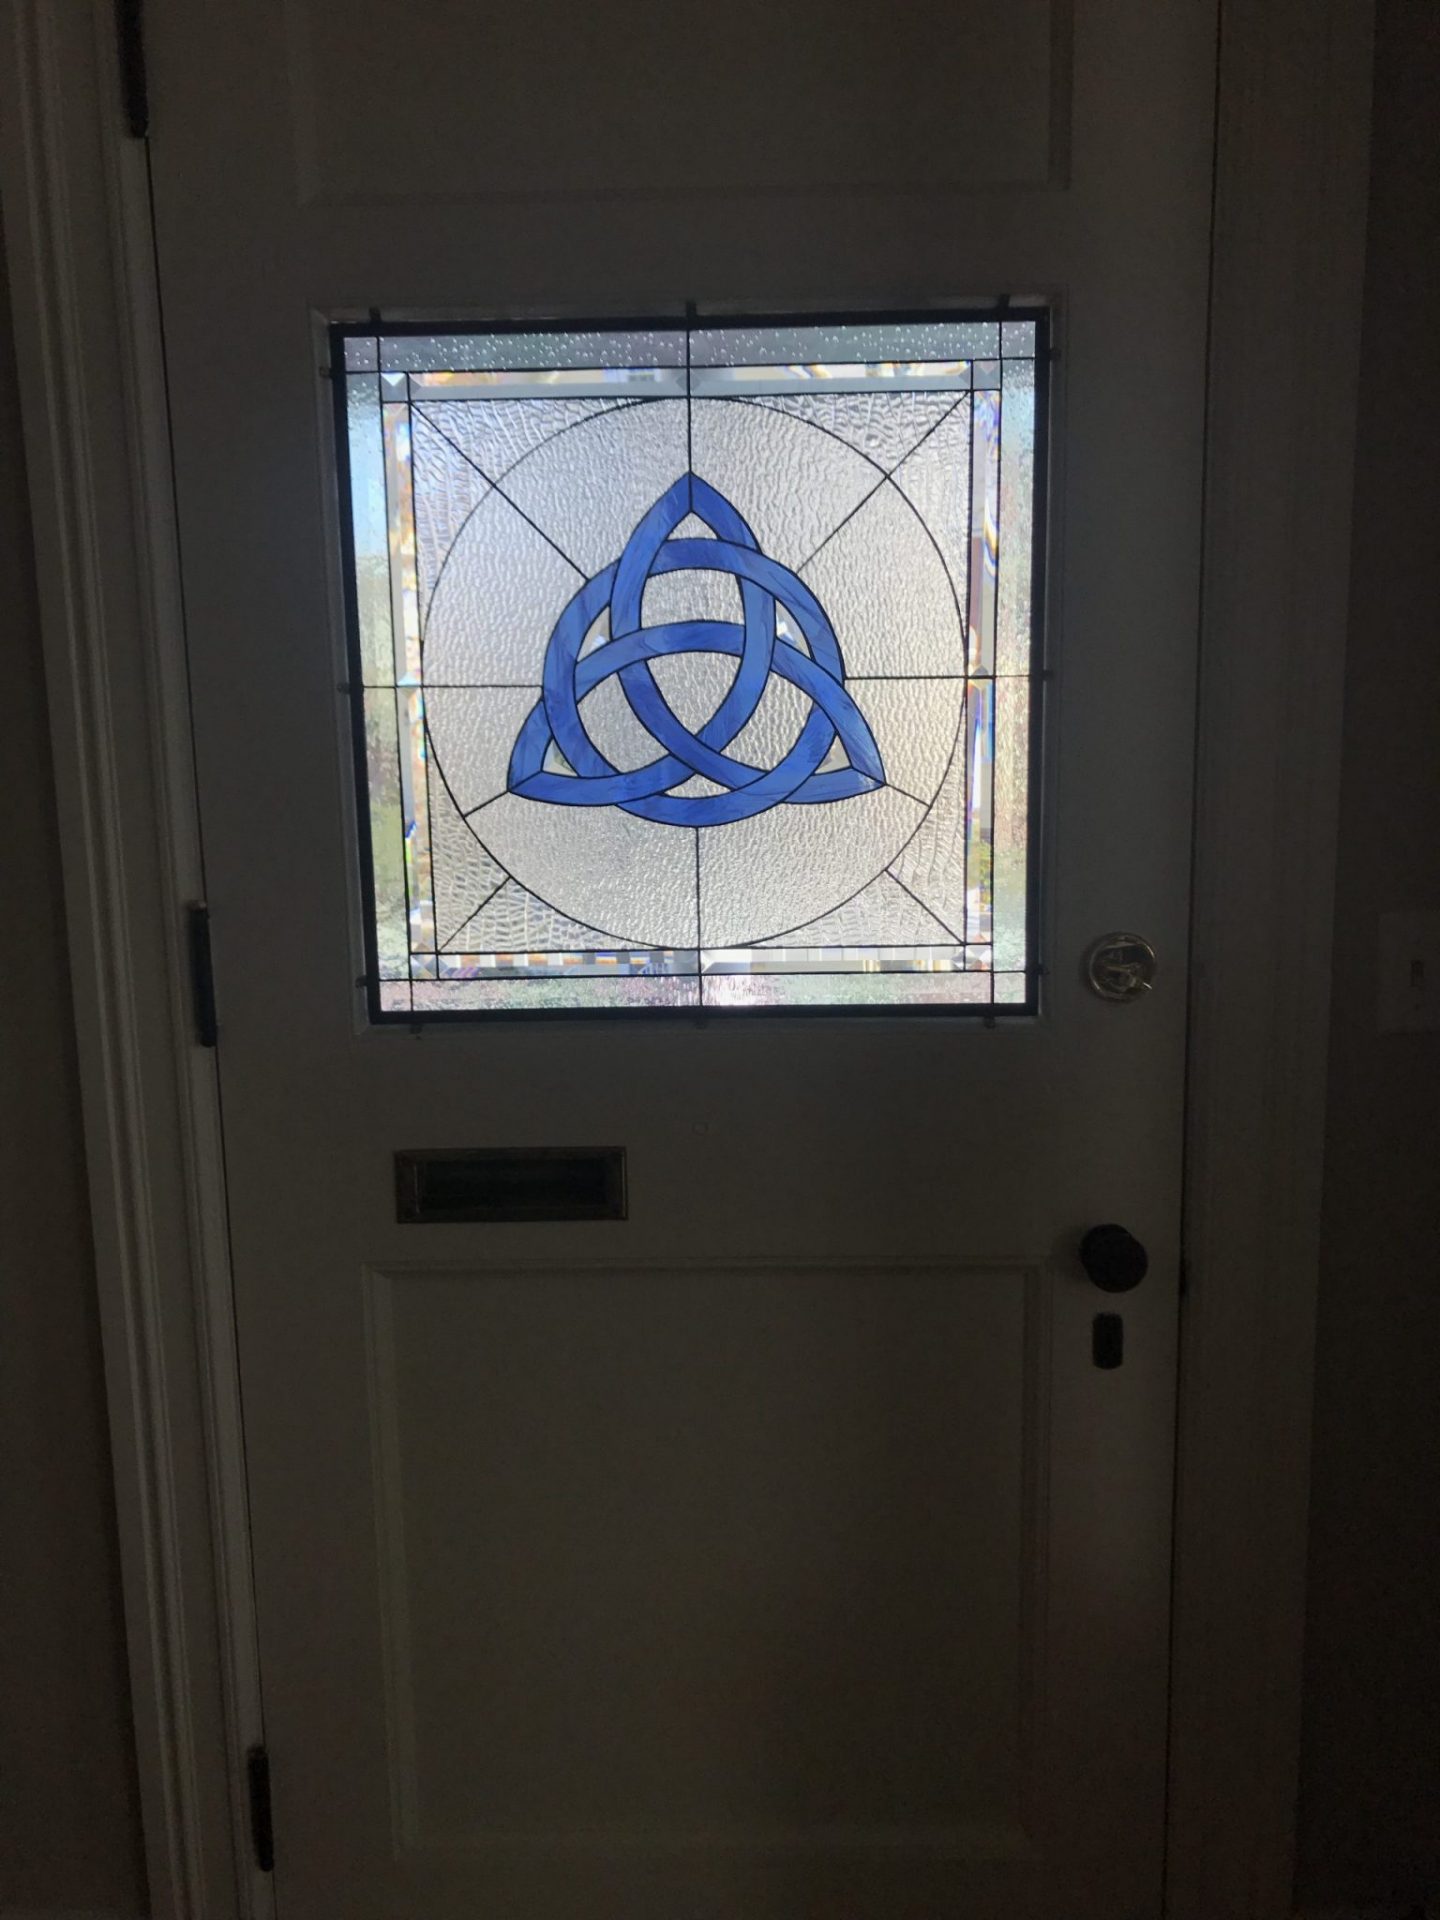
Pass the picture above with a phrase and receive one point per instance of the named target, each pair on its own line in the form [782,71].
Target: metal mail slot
[448,1184]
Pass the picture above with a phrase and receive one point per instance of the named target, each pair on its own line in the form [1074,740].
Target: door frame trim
[74,189]
[1287,273]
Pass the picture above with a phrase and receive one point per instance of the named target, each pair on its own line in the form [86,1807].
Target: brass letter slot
[510,1183]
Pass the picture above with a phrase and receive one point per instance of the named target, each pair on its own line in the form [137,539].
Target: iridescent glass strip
[979,813]
[369,521]
[387,833]
[1011,822]
[984,529]
[404,587]
[1017,512]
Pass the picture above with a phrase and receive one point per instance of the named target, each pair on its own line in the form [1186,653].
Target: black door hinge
[262,1824]
[202,973]
[134,85]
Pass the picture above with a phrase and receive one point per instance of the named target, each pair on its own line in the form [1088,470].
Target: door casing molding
[1288,257]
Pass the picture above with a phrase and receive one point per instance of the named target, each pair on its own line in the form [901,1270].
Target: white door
[779,1549]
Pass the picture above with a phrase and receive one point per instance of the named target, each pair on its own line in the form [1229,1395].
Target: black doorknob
[1113,1258]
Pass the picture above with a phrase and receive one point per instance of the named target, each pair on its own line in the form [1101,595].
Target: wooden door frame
[1293,109]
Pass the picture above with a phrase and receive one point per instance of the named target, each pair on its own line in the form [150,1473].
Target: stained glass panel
[692,666]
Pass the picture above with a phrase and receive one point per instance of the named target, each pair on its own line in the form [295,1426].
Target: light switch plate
[1409,972]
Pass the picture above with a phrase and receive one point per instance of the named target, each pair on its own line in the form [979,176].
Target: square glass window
[691,666]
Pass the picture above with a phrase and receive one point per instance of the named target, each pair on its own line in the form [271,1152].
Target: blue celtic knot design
[647,791]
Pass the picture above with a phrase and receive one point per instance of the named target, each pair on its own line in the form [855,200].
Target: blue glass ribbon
[647,791]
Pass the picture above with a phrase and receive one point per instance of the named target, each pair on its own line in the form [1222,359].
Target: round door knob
[1113,1258]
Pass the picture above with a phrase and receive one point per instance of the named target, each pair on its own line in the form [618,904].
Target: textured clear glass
[448,487]
[880,915]
[585,490]
[489,440]
[536,352]
[695,671]
[885,586]
[843,343]
[885,427]
[931,865]
[860,989]
[935,480]
[820,377]
[791,484]
[574,993]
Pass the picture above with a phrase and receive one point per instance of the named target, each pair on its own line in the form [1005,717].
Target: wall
[69,1822]
[1370,1794]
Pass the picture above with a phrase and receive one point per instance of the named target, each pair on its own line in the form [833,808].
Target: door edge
[1287,270]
